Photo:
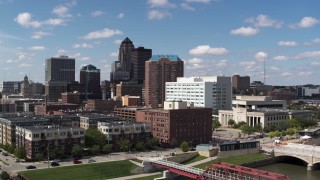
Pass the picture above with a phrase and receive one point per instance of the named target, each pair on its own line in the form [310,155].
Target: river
[295,172]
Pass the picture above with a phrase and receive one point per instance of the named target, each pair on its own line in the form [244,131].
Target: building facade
[240,84]
[210,92]
[133,131]
[41,140]
[90,77]
[138,58]
[128,88]
[9,87]
[159,70]
[177,123]
[59,72]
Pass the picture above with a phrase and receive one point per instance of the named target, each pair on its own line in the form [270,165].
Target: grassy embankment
[106,170]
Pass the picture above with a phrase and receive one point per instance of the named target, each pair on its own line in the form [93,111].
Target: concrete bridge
[307,153]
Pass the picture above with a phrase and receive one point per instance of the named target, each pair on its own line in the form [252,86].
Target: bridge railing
[307,151]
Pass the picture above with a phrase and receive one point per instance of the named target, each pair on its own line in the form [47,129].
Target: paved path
[202,161]
[136,176]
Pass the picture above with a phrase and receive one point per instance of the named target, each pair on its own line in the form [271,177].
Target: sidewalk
[202,161]
[136,176]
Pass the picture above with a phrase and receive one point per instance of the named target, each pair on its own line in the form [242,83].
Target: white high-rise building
[211,92]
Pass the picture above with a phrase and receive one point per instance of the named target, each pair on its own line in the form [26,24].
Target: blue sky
[213,37]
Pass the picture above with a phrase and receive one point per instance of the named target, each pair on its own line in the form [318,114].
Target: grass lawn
[104,170]
[194,159]
[235,160]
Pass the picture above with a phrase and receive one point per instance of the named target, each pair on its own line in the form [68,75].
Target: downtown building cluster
[147,96]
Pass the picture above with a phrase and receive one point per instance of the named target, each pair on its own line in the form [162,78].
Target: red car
[76,161]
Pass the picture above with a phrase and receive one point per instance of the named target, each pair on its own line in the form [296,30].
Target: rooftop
[170,57]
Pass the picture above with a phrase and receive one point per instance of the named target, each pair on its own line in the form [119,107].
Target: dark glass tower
[90,77]
[59,72]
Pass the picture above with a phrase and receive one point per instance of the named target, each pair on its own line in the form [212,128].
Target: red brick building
[171,126]
[159,70]
[70,98]
[102,105]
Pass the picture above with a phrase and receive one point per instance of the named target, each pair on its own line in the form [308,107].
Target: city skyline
[212,37]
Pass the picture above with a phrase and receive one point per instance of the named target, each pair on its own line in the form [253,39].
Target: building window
[36,136]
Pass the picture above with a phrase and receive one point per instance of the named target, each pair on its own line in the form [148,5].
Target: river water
[295,172]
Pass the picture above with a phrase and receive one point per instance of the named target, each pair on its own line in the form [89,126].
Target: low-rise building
[129,101]
[177,122]
[255,110]
[133,131]
[45,139]
[102,105]
[91,121]
[126,113]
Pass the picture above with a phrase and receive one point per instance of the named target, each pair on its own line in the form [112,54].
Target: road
[8,163]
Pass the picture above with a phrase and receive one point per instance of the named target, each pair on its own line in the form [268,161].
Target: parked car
[55,160]
[76,161]
[54,163]
[31,167]
[91,160]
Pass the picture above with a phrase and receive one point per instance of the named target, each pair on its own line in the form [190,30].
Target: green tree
[231,122]
[94,137]
[293,123]
[95,149]
[151,143]
[5,175]
[239,124]
[20,153]
[107,148]
[139,146]
[39,157]
[76,150]
[246,129]
[124,144]
[184,146]
[216,123]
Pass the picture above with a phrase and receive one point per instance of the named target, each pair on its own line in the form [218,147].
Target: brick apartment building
[102,105]
[41,139]
[176,123]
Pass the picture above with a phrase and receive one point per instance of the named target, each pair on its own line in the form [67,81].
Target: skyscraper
[124,58]
[159,70]
[138,58]
[90,77]
[59,71]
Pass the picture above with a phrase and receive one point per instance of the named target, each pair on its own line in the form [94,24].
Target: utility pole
[48,154]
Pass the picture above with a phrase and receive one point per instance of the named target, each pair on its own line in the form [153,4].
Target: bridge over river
[219,171]
[308,153]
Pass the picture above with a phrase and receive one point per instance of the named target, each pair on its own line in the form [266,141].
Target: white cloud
[37,48]
[287,43]
[9,61]
[62,51]
[304,73]
[186,6]
[316,40]
[161,3]
[247,64]
[22,57]
[158,15]
[197,1]
[83,58]
[222,63]
[245,31]
[264,21]
[260,56]
[305,22]
[273,68]
[114,54]
[120,15]
[39,34]
[24,65]
[281,58]
[25,20]
[117,41]
[207,50]
[286,74]
[83,45]
[315,63]
[308,54]
[61,11]
[195,61]
[97,13]
[105,33]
